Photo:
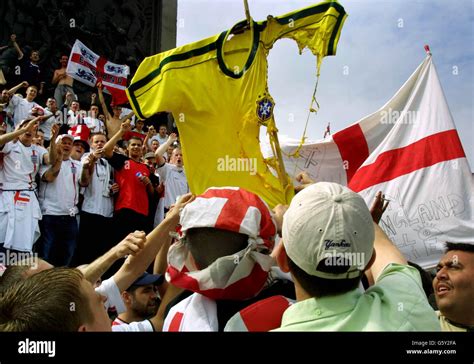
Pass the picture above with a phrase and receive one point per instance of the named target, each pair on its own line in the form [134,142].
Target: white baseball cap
[61,136]
[328,231]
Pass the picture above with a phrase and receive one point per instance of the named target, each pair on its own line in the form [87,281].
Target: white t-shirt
[20,166]
[175,182]
[135,326]
[21,108]
[97,199]
[110,290]
[95,125]
[60,197]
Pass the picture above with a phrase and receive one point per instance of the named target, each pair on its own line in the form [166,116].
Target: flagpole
[247,11]
[281,166]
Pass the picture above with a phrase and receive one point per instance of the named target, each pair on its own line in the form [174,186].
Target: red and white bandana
[235,277]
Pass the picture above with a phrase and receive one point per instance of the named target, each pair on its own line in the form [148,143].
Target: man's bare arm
[8,137]
[163,148]
[13,90]
[52,156]
[131,245]
[109,146]
[385,253]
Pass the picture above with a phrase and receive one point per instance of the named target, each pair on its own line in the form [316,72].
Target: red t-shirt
[132,193]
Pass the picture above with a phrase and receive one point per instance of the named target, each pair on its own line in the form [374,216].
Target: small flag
[89,68]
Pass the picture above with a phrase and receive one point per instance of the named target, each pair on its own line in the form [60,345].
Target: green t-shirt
[396,302]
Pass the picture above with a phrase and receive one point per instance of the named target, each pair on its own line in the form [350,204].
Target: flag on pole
[328,131]
[89,68]
[410,150]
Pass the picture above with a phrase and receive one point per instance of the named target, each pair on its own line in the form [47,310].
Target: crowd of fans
[101,191]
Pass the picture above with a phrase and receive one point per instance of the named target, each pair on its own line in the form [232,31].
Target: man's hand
[99,85]
[160,188]
[37,111]
[59,151]
[93,97]
[54,131]
[25,84]
[173,137]
[131,245]
[90,160]
[278,213]
[378,207]
[175,209]
[145,180]
[114,188]
[98,153]
[125,126]
[32,125]
[304,179]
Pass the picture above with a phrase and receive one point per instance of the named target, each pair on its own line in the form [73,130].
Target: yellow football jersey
[217,91]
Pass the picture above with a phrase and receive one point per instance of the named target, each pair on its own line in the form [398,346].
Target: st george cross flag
[410,150]
[87,67]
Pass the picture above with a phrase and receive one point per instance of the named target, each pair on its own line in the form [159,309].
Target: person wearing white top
[95,125]
[19,207]
[22,106]
[59,196]
[95,235]
[74,115]
[57,118]
[171,174]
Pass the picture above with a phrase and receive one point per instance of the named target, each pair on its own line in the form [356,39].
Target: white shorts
[19,216]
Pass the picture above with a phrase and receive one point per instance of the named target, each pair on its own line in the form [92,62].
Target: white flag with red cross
[411,151]
[89,68]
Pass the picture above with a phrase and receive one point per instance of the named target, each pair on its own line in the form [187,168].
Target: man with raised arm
[19,206]
[112,122]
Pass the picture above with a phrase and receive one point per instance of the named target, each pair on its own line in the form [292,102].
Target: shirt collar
[317,308]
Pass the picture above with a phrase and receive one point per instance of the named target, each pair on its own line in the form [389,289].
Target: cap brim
[155,279]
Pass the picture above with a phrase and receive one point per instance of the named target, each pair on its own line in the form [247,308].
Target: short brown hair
[17,272]
[134,137]
[321,287]
[52,300]
[12,275]
[91,137]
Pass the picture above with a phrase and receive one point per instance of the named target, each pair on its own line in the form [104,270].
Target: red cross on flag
[89,68]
